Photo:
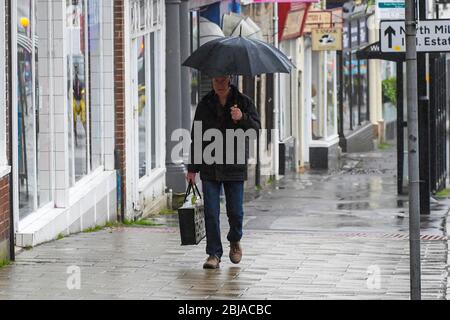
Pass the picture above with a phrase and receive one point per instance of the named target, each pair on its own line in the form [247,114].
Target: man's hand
[190,177]
[236,114]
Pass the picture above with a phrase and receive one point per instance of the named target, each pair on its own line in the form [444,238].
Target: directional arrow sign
[432,36]
[390,32]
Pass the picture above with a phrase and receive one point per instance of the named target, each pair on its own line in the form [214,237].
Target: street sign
[432,36]
[390,9]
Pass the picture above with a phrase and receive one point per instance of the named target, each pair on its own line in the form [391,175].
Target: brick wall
[4,218]
[119,88]
[4,182]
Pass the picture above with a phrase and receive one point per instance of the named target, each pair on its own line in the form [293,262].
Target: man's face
[221,85]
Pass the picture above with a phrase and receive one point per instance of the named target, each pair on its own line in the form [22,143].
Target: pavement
[318,235]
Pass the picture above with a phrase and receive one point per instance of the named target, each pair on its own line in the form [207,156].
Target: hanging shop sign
[294,21]
[318,19]
[328,39]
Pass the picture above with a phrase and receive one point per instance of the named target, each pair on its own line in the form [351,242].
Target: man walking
[224,108]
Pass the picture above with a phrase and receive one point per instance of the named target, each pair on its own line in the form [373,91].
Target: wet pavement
[319,235]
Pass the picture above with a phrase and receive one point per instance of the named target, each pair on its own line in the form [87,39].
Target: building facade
[62,104]
[356,131]
[308,104]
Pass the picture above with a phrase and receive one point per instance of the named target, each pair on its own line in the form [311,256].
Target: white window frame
[3,157]
[14,139]
[152,25]
[84,181]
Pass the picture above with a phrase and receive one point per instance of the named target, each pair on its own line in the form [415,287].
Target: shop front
[321,44]
[292,143]
[144,107]
[355,129]
[63,147]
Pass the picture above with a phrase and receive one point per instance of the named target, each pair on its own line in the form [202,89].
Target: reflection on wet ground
[364,191]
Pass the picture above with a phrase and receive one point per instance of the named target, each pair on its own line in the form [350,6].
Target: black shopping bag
[192,217]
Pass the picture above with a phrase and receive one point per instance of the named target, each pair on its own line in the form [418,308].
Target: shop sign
[327,39]
[318,19]
[292,28]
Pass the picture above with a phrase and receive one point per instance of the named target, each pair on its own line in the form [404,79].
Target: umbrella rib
[250,62]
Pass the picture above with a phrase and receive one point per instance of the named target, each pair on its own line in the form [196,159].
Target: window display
[78,90]
[331,93]
[33,138]
[146,45]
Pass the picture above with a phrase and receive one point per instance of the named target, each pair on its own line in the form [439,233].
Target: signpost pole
[400,128]
[413,150]
[424,123]
[276,99]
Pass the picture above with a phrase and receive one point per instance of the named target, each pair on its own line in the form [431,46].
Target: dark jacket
[213,115]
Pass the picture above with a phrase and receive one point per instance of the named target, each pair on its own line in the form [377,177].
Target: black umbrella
[238,56]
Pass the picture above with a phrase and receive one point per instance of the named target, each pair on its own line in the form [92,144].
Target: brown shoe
[212,263]
[235,252]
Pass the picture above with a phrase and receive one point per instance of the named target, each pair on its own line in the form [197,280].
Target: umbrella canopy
[238,56]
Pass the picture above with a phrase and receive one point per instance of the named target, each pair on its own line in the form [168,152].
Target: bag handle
[192,187]
[198,192]
[188,191]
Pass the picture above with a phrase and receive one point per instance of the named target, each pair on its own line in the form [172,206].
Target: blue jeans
[234,194]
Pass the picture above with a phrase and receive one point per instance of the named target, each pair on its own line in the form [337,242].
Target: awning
[373,51]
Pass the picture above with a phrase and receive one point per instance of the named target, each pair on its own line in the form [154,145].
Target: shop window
[145,15]
[33,133]
[78,90]
[3,161]
[364,105]
[331,93]
[286,105]
[347,92]
[153,103]
[317,95]
[85,87]
[147,87]
[355,91]
[96,82]
[142,105]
